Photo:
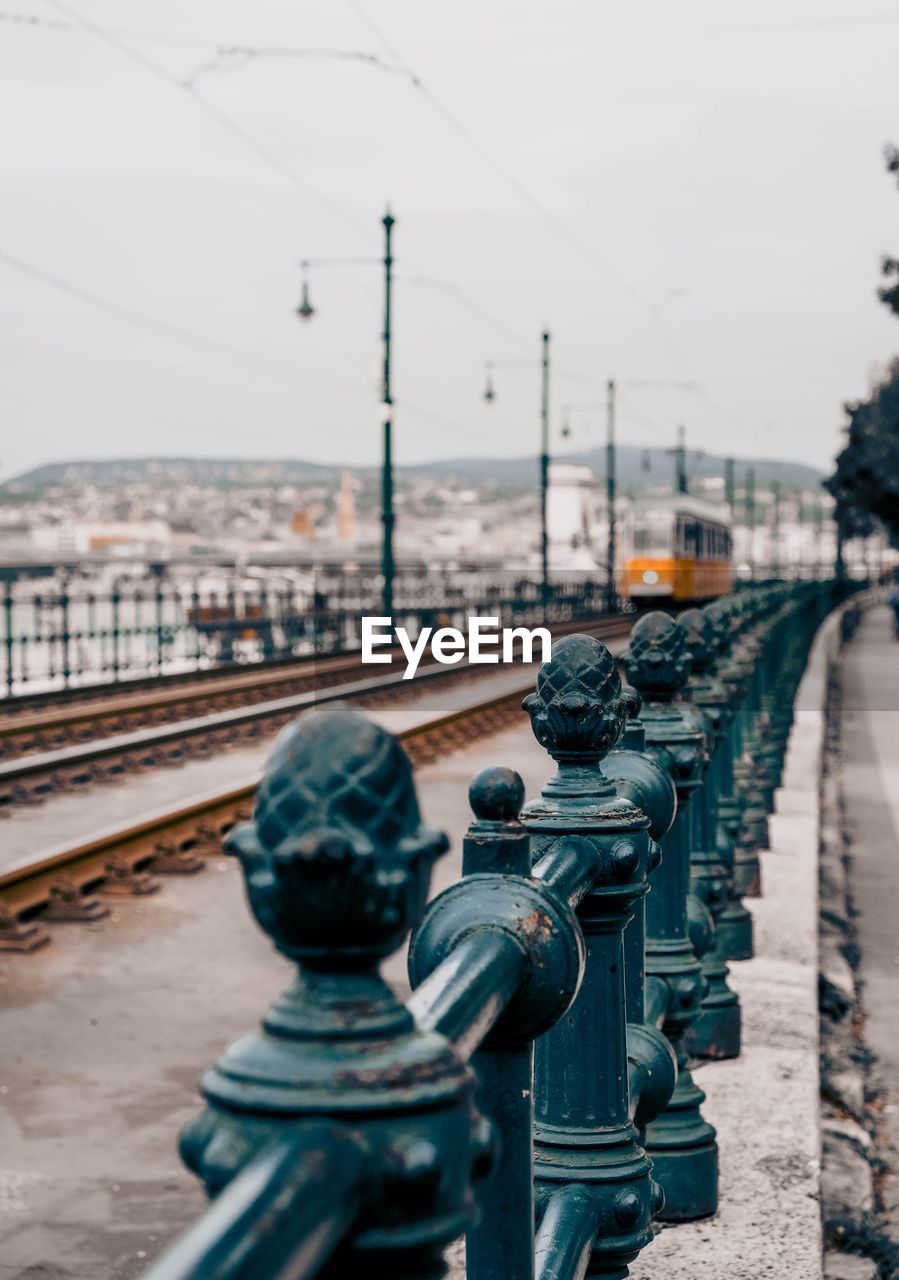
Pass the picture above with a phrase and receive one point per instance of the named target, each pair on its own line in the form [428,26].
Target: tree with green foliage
[865,482]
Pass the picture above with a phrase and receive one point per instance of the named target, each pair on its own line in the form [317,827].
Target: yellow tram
[675,550]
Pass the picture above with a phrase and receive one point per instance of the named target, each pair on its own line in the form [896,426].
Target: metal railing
[68,631]
[533,1093]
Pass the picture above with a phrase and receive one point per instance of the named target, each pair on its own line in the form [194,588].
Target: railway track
[74,882]
[30,777]
[73,720]
[46,722]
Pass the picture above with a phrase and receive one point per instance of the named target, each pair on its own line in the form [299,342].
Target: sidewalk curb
[856,1246]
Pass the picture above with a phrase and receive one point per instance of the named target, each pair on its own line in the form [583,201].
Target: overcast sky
[684,194]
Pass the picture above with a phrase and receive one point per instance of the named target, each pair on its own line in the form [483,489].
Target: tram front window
[652,539]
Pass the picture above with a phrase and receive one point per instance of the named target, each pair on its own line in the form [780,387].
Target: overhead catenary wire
[395,66]
[144,321]
[226,122]
[487,155]
[154,324]
[234,57]
[392,64]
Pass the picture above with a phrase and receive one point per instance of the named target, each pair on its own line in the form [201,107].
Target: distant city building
[301,524]
[571,501]
[346,508]
[134,537]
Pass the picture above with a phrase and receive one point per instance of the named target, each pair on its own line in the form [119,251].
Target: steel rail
[17,774]
[19,729]
[72,710]
[99,692]
[162,735]
[176,839]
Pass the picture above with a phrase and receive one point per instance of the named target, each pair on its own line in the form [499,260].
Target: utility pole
[306,311]
[387,516]
[490,396]
[680,462]
[819,528]
[729,484]
[611,592]
[775,529]
[839,566]
[804,519]
[544,469]
[749,510]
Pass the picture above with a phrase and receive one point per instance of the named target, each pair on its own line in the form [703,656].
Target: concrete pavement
[870,767]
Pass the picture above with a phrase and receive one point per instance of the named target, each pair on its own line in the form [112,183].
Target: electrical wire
[462,131]
[464,300]
[164,328]
[116,309]
[243,54]
[234,57]
[226,122]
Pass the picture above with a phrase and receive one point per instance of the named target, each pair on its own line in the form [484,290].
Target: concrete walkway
[870,763]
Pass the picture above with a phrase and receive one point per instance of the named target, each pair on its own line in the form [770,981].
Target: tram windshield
[651,534]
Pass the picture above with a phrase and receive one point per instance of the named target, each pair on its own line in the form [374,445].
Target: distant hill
[109,473]
[635,468]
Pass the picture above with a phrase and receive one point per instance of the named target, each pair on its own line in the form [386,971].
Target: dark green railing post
[680,1141]
[115,628]
[496,962]
[64,635]
[266,623]
[344,1138]
[45,637]
[736,667]
[337,863]
[714,859]
[158,571]
[645,780]
[595,1192]
[501,1243]
[195,614]
[731,803]
[8,638]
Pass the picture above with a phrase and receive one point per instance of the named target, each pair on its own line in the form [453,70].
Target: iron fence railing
[63,631]
[534,1092]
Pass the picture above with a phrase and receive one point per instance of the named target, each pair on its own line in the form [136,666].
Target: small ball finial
[658,661]
[579,710]
[496,795]
[336,858]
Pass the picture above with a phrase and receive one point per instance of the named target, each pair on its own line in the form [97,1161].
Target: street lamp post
[774,566]
[611,594]
[544,468]
[611,490]
[749,509]
[490,396]
[306,311]
[387,516]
